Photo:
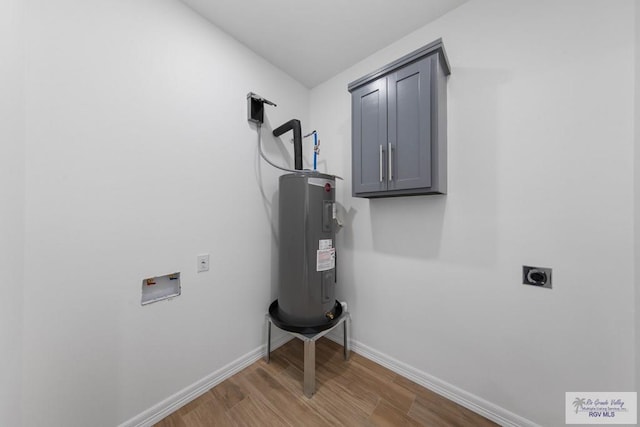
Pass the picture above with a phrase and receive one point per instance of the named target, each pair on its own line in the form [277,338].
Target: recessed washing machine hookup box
[161,287]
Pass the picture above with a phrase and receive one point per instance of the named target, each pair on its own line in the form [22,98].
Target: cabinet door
[369,127]
[410,126]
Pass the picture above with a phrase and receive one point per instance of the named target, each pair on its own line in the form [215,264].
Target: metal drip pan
[274,313]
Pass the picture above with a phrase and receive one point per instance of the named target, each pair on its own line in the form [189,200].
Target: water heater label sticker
[325,244]
[326,259]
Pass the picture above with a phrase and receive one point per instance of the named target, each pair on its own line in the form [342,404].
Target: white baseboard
[470,401]
[195,390]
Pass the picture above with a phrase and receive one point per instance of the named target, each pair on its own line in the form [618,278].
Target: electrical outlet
[536,276]
[203,263]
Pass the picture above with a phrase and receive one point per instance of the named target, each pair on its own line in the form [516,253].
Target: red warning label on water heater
[326,259]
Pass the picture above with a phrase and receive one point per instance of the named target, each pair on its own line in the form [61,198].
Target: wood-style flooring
[357,392]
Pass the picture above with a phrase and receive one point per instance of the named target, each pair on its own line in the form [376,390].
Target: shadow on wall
[270,204]
[417,227]
[471,228]
[408,226]
[345,276]
[346,219]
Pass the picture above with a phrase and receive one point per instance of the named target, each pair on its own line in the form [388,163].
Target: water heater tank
[307,254]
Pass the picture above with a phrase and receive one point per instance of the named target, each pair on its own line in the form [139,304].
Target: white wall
[140,157]
[12,170]
[637,195]
[541,173]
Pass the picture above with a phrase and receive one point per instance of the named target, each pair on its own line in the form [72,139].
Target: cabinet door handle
[390,161]
[380,163]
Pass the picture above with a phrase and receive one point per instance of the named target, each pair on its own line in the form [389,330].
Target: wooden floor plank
[386,414]
[337,408]
[206,397]
[432,406]
[173,420]
[270,391]
[371,366]
[433,416]
[229,393]
[208,413]
[357,392]
[251,412]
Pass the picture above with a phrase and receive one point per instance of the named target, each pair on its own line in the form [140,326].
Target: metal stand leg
[346,338]
[309,386]
[309,368]
[268,355]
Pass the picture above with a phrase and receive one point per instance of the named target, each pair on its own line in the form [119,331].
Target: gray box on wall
[399,126]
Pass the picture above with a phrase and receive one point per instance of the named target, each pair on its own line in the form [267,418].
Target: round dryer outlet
[536,276]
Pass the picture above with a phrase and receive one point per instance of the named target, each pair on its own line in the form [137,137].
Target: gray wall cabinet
[399,126]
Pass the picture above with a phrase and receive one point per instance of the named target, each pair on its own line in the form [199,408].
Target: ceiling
[314,40]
